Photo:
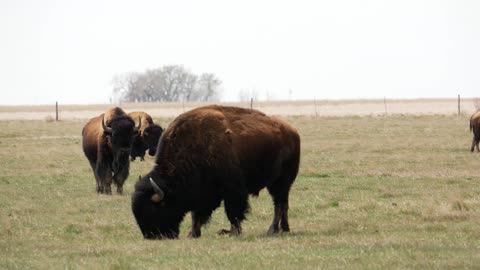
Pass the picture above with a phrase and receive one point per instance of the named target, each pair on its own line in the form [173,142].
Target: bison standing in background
[147,139]
[211,154]
[475,128]
[107,141]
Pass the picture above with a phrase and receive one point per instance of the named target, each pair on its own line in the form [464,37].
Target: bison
[211,154]
[475,128]
[147,139]
[107,140]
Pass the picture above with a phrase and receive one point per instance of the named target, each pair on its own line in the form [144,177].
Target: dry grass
[373,193]
[365,107]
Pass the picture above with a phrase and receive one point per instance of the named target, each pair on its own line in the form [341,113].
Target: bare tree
[208,87]
[168,83]
[189,87]
[120,84]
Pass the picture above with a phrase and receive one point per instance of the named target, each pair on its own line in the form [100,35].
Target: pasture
[372,193]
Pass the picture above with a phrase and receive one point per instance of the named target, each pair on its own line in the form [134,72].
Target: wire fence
[314,107]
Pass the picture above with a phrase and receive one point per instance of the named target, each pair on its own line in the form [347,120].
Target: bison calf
[147,138]
[107,141]
[211,154]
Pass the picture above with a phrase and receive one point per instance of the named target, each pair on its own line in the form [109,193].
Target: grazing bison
[211,154]
[475,128]
[107,140]
[147,139]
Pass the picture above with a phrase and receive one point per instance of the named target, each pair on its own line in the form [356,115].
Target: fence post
[251,103]
[385,104]
[315,104]
[56,110]
[459,104]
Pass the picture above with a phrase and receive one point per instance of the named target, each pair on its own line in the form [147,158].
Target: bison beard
[211,154]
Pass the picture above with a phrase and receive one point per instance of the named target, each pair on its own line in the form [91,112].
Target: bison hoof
[229,232]
[223,232]
[273,230]
[194,234]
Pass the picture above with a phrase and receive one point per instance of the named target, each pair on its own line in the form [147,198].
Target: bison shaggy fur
[107,140]
[148,136]
[213,154]
[475,129]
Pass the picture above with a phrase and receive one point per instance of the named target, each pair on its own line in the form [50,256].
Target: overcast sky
[70,50]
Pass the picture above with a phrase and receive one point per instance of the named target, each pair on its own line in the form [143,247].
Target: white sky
[69,50]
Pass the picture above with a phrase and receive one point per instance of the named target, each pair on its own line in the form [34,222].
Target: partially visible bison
[475,128]
[211,154]
[147,138]
[107,141]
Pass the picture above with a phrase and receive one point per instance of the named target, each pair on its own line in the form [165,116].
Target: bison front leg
[198,220]
[236,206]
[120,179]
[104,175]
[99,186]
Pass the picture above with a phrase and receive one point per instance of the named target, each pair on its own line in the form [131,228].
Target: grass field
[372,193]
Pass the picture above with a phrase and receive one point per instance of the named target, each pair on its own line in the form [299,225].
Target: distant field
[374,192]
[284,108]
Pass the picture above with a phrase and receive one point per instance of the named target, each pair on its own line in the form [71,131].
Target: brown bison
[147,138]
[211,154]
[107,140]
[475,128]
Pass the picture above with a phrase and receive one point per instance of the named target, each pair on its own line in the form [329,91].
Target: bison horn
[105,128]
[158,196]
[137,128]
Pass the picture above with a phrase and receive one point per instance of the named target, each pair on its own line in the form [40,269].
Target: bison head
[151,135]
[122,132]
[138,148]
[155,211]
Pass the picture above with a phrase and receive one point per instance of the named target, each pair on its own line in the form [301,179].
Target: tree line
[166,84]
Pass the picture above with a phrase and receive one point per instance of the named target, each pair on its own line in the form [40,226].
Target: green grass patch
[396,192]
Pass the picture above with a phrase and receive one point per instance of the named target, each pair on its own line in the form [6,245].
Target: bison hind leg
[280,219]
[279,192]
